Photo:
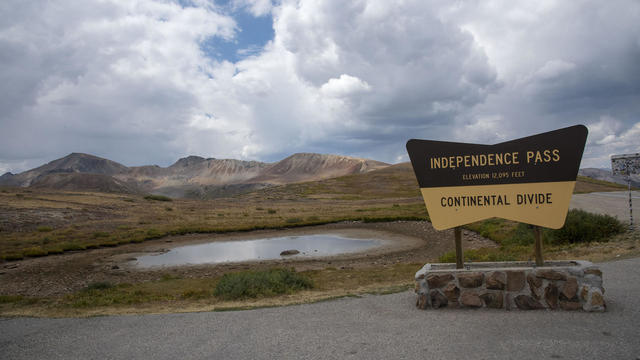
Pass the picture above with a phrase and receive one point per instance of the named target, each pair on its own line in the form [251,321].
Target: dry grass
[77,221]
[188,295]
[40,222]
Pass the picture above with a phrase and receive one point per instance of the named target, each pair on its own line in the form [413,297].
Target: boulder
[497,280]
[515,280]
[289,252]
[438,280]
[471,299]
[470,280]
[524,302]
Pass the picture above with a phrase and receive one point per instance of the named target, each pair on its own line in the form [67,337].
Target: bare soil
[408,242]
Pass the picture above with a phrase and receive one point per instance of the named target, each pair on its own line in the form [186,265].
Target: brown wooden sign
[528,180]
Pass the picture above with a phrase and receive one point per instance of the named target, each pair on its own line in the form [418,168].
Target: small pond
[260,249]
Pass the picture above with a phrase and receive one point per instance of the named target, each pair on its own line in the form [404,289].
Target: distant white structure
[627,165]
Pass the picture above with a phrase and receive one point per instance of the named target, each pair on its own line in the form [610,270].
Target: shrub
[582,226]
[158,198]
[253,284]
[100,285]
[13,257]
[34,251]
[293,220]
[271,211]
[69,246]
[480,255]
[6,299]
[44,228]
[55,250]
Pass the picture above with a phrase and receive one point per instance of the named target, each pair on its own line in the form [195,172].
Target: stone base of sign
[558,285]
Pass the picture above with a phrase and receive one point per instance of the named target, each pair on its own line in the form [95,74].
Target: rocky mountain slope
[72,163]
[192,176]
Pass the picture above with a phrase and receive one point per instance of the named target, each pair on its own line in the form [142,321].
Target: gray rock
[493,299]
[592,280]
[289,252]
[524,302]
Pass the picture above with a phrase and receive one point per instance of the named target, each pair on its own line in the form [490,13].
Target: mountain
[606,175]
[194,170]
[191,176]
[312,167]
[84,182]
[72,163]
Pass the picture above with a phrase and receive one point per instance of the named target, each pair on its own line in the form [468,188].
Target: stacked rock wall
[559,285]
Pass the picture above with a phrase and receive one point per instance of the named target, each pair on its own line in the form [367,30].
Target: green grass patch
[254,284]
[17,300]
[100,285]
[104,294]
[69,246]
[582,226]
[44,229]
[367,219]
[34,251]
[158,198]
[516,239]
[13,256]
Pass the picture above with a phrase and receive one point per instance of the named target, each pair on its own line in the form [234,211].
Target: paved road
[373,327]
[615,203]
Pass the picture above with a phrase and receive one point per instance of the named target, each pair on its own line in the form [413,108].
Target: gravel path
[615,203]
[372,327]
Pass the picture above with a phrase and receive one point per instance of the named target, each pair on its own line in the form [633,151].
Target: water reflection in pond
[262,249]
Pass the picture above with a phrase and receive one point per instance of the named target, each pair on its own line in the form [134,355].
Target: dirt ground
[407,242]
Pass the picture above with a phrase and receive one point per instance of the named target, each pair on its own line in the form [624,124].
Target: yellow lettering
[507,161]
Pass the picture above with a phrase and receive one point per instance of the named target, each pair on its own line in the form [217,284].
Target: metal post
[630,205]
[458,235]
[536,233]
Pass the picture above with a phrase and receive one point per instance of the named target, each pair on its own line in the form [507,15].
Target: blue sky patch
[252,35]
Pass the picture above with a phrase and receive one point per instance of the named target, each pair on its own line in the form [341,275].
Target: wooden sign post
[530,180]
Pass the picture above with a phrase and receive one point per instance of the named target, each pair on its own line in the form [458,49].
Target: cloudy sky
[149,81]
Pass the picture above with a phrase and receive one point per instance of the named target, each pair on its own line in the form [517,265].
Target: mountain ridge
[192,176]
